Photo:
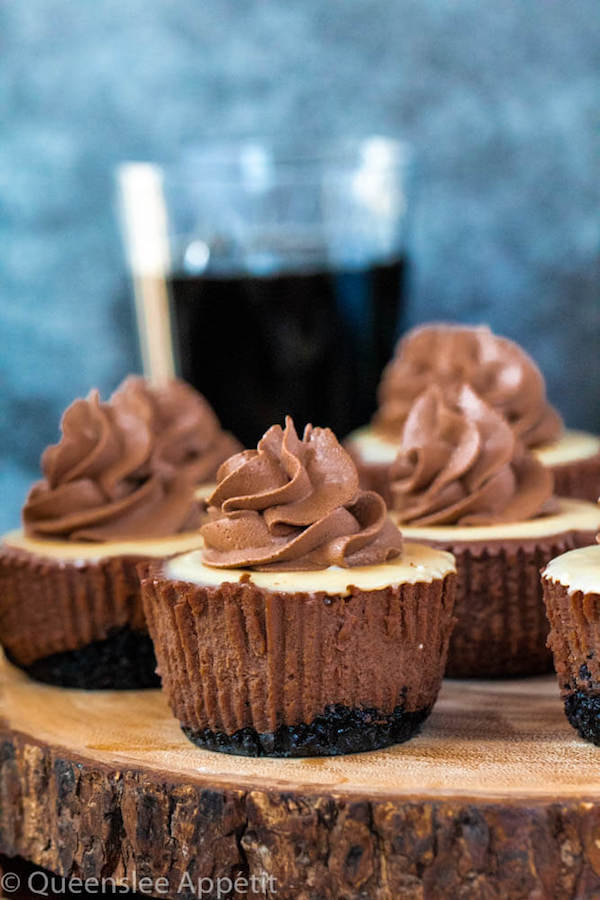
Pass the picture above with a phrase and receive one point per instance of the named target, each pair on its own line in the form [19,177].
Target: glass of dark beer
[279,275]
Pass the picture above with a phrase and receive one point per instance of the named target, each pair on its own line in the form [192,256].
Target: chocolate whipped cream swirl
[295,504]
[104,480]
[460,463]
[187,433]
[497,369]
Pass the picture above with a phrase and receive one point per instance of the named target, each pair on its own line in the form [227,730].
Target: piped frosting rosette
[105,480]
[186,432]
[497,369]
[295,504]
[459,462]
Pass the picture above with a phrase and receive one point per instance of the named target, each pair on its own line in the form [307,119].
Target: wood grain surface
[497,797]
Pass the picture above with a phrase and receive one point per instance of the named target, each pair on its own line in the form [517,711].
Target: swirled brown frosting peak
[101,482]
[295,504]
[459,463]
[500,371]
[187,433]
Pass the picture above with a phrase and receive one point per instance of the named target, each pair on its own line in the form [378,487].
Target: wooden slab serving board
[497,797]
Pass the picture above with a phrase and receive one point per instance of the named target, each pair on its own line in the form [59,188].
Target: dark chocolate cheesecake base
[502,628]
[243,665]
[73,623]
[579,479]
[124,660]
[575,642]
[339,730]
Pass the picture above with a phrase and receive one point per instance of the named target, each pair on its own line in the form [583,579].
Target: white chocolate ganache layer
[578,570]
[418,563]
[92,551]
[572,446]
[573,515]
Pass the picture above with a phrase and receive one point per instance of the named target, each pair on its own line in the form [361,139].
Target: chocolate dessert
[571,585]
[575,463]
[111,496]
[463,482]
[503,375]
[304,627]
[187,433]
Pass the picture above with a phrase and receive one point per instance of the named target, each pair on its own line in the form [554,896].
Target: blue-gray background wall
[501,100]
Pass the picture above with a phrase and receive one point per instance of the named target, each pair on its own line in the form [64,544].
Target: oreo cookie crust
[124,660]
[339,730]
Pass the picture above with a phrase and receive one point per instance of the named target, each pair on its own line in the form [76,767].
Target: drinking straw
[144,222]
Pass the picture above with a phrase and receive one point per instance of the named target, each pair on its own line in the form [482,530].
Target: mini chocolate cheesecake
[571,585]
[111,497]
[574,460]
[304,663]
[503,375]
[71,612]
[502,628]
[463,483]
[303,628]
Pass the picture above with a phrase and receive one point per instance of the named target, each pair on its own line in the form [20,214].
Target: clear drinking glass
[271,281]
